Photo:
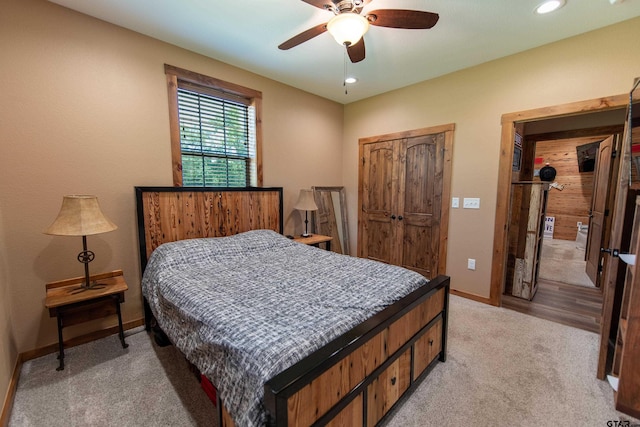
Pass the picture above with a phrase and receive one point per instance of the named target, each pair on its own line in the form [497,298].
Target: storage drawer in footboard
[427,348]
[356,379]
[387,388]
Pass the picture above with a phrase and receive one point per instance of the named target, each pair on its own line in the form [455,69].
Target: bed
[341,351]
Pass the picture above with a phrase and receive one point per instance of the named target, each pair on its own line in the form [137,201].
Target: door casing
[509,121]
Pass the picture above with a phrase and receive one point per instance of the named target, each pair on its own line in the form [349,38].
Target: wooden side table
[71,306]
[315,240]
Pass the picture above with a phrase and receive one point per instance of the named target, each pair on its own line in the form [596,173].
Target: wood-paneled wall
[572,204]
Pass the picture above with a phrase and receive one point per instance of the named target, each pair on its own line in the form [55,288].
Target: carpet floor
[563,261]
[503,368]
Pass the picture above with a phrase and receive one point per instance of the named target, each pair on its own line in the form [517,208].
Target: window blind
[217,139]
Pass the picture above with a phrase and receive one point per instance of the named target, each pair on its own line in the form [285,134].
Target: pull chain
[344,77]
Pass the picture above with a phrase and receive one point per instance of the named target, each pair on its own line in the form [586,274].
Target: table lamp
[306,203]
[81,216]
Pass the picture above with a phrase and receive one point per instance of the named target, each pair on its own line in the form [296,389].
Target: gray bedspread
[244,308]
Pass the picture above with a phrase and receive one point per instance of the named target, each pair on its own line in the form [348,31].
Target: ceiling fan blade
[400,18]
[356,52]
[303,36]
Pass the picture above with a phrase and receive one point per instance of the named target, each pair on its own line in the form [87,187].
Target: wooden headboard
[168,214]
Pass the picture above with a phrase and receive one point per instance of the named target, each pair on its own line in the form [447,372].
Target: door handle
[400,218]
[393,217]
[612,252]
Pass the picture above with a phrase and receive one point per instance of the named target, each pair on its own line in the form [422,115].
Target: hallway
[572,305]
[563,261]
[565,293]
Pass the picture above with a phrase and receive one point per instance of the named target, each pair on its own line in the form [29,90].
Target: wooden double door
[403,193]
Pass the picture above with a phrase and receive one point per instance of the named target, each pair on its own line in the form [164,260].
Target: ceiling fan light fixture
[549,6]
[350,80]
[348,28]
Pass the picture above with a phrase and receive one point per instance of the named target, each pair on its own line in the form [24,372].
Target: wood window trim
[175,74]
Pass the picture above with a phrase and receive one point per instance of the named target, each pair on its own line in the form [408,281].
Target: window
[215,134]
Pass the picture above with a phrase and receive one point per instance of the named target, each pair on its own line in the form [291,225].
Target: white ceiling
[246,34]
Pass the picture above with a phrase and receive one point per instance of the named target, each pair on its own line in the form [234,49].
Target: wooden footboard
[357,378]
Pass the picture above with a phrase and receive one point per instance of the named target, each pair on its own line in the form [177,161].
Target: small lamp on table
[306,203]
[81,216]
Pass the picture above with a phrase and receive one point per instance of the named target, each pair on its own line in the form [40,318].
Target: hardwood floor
[571,305]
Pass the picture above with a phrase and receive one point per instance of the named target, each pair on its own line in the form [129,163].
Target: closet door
[420,202]
[377,232]
[403,192]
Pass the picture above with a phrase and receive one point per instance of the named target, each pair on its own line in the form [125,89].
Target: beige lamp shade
[80,216]
[306,201]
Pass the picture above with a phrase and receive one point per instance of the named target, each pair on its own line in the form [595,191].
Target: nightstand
[315,240]
[72,306]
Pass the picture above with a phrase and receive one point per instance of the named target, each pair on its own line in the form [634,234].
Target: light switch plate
[471,203]
[455,202]
[471,264]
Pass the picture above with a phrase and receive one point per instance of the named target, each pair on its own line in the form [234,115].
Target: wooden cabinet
[626,363]
[526,230]
[403,196]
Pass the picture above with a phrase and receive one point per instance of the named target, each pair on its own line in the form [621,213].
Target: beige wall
[84,110]
[593,65]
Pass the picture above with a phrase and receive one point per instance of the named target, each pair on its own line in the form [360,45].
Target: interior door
[379,188]
[404,184]
[620,233]
[602,176]
[421,202]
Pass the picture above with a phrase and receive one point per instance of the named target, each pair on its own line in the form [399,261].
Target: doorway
[556,286]
[582,119]
[570,212]
[554,122]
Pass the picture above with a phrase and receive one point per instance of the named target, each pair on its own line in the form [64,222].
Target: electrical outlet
[471,264]
[471,203]
[455,202]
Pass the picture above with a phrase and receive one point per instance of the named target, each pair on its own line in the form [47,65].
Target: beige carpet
[503,368]
[563,261]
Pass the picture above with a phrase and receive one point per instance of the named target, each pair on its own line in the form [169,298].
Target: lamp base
[84,287]
[85,257]
[306,235]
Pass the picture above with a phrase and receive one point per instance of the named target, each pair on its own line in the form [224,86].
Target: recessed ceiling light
[350,80]
[549,6]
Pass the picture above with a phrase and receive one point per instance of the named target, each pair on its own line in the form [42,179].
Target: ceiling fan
[348,24]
